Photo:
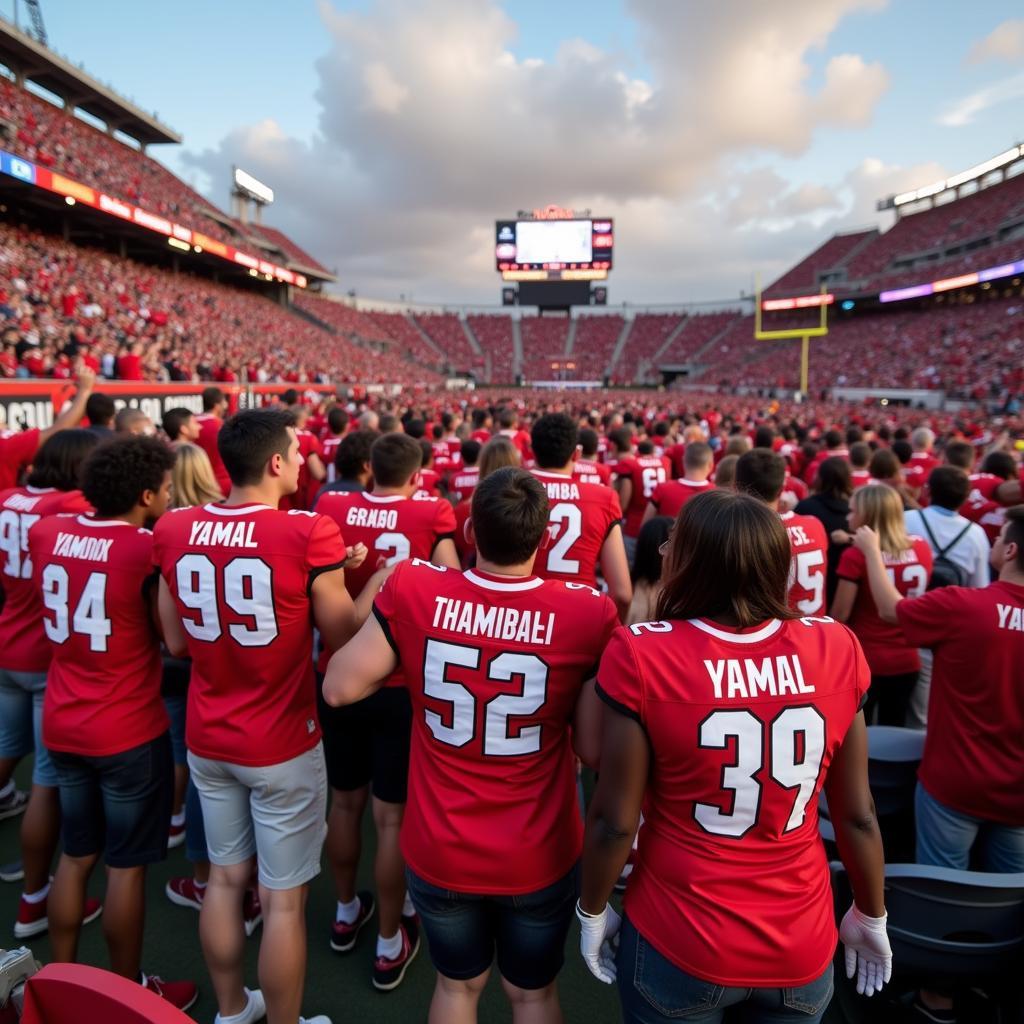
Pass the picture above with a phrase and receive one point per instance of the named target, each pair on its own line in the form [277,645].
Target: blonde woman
[192,479]
[894,664]
[498,453]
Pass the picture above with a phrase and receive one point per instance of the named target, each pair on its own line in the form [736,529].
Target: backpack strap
[941,552]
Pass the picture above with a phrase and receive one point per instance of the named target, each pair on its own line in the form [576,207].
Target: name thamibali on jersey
[746,678]
[523,626]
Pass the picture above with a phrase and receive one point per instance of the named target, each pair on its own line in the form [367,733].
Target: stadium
[118,280]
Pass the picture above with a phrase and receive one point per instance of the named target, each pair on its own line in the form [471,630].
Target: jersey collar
[236,510]
[506,583]
[383,499]
[86,521]
[770,628]
[39,490]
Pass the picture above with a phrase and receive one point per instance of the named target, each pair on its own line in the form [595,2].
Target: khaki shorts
[277,812]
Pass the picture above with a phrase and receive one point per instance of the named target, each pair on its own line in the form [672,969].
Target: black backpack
[945,572]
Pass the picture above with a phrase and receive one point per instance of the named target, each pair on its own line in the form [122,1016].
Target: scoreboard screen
[562,245]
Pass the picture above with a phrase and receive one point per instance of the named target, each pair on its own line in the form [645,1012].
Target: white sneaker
[255,1009]
[320,1018]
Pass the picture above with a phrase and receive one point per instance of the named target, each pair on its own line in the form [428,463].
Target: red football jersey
[794,487]
[306,492]
[462,482]
[674,454]
[888,653]
[429,479]
[809,543]
[17,449]
[812,468]
[392,527]
[23,644]
[646,472]
[241,579]
[974,748]
[494,666]
[481,436]
[580,518]
[329,450]
[731,881]
[668,498]
[209,428]
[860,478]
[592,472]
[103,687]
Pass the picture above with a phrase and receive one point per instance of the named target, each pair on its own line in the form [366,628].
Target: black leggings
[888,699]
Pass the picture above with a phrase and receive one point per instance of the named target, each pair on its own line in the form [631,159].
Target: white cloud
[966,109]
[1005,42]
[431,126]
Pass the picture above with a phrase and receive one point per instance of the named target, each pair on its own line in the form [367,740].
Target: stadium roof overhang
[41,66]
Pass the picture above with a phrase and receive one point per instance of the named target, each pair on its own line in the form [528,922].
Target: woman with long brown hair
[723,720]
[498,453]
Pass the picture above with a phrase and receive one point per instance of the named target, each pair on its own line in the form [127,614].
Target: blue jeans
[466,930]
[946,837]
[653,990]
[21,722]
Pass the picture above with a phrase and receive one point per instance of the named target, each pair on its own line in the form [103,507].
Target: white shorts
[277,812]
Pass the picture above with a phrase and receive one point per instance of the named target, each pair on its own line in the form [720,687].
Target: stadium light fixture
[70,200]
[177,243]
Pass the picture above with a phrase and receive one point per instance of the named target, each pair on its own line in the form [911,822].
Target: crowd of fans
[711,523]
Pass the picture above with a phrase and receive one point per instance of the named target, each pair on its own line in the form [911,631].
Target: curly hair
[118,471]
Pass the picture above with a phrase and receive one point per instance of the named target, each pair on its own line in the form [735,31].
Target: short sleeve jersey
[668,498]
[974,751]
[591,472]
[494,667]
[17,449]
[329,447]
[462,482]
[305,493]
[579,520]
[981,506]
[241,577]
[731,881]
[393,528]
[23,644]
[645,472]
[887,651]
[809,544]
[103,687]
[209,428]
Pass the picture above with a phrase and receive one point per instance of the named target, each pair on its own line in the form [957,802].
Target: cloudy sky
[726,137]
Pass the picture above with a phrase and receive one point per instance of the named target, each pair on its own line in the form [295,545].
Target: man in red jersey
[337,427]
[763,473]
[636,477]
[210,420]
[467,475]
[860,459]
[922,460]
[17,447]
[241,585]
[835,448]
[723,721]
[970,791]
[508,426]
[312,472]
[584,524]
[498,663]
[367,744]
[482,424]
[983,505]
[669,497]
[586,467]
[676,452]
[25,653]
[103,720]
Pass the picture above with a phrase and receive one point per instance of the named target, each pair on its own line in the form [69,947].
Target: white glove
[867,948]
[599,940]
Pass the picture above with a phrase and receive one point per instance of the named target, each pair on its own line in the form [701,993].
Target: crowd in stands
[544,343]
[594,345]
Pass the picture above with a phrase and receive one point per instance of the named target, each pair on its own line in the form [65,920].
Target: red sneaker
[252,911]
[32,919]
[185,892]
[387,973]
[181,994]
[343,936]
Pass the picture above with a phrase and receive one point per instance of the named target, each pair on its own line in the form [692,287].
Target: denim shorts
[527,932]
[21,721]
[653,990]
[176,713]
[119,804]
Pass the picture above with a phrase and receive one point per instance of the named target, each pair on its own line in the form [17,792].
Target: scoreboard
[577,249]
